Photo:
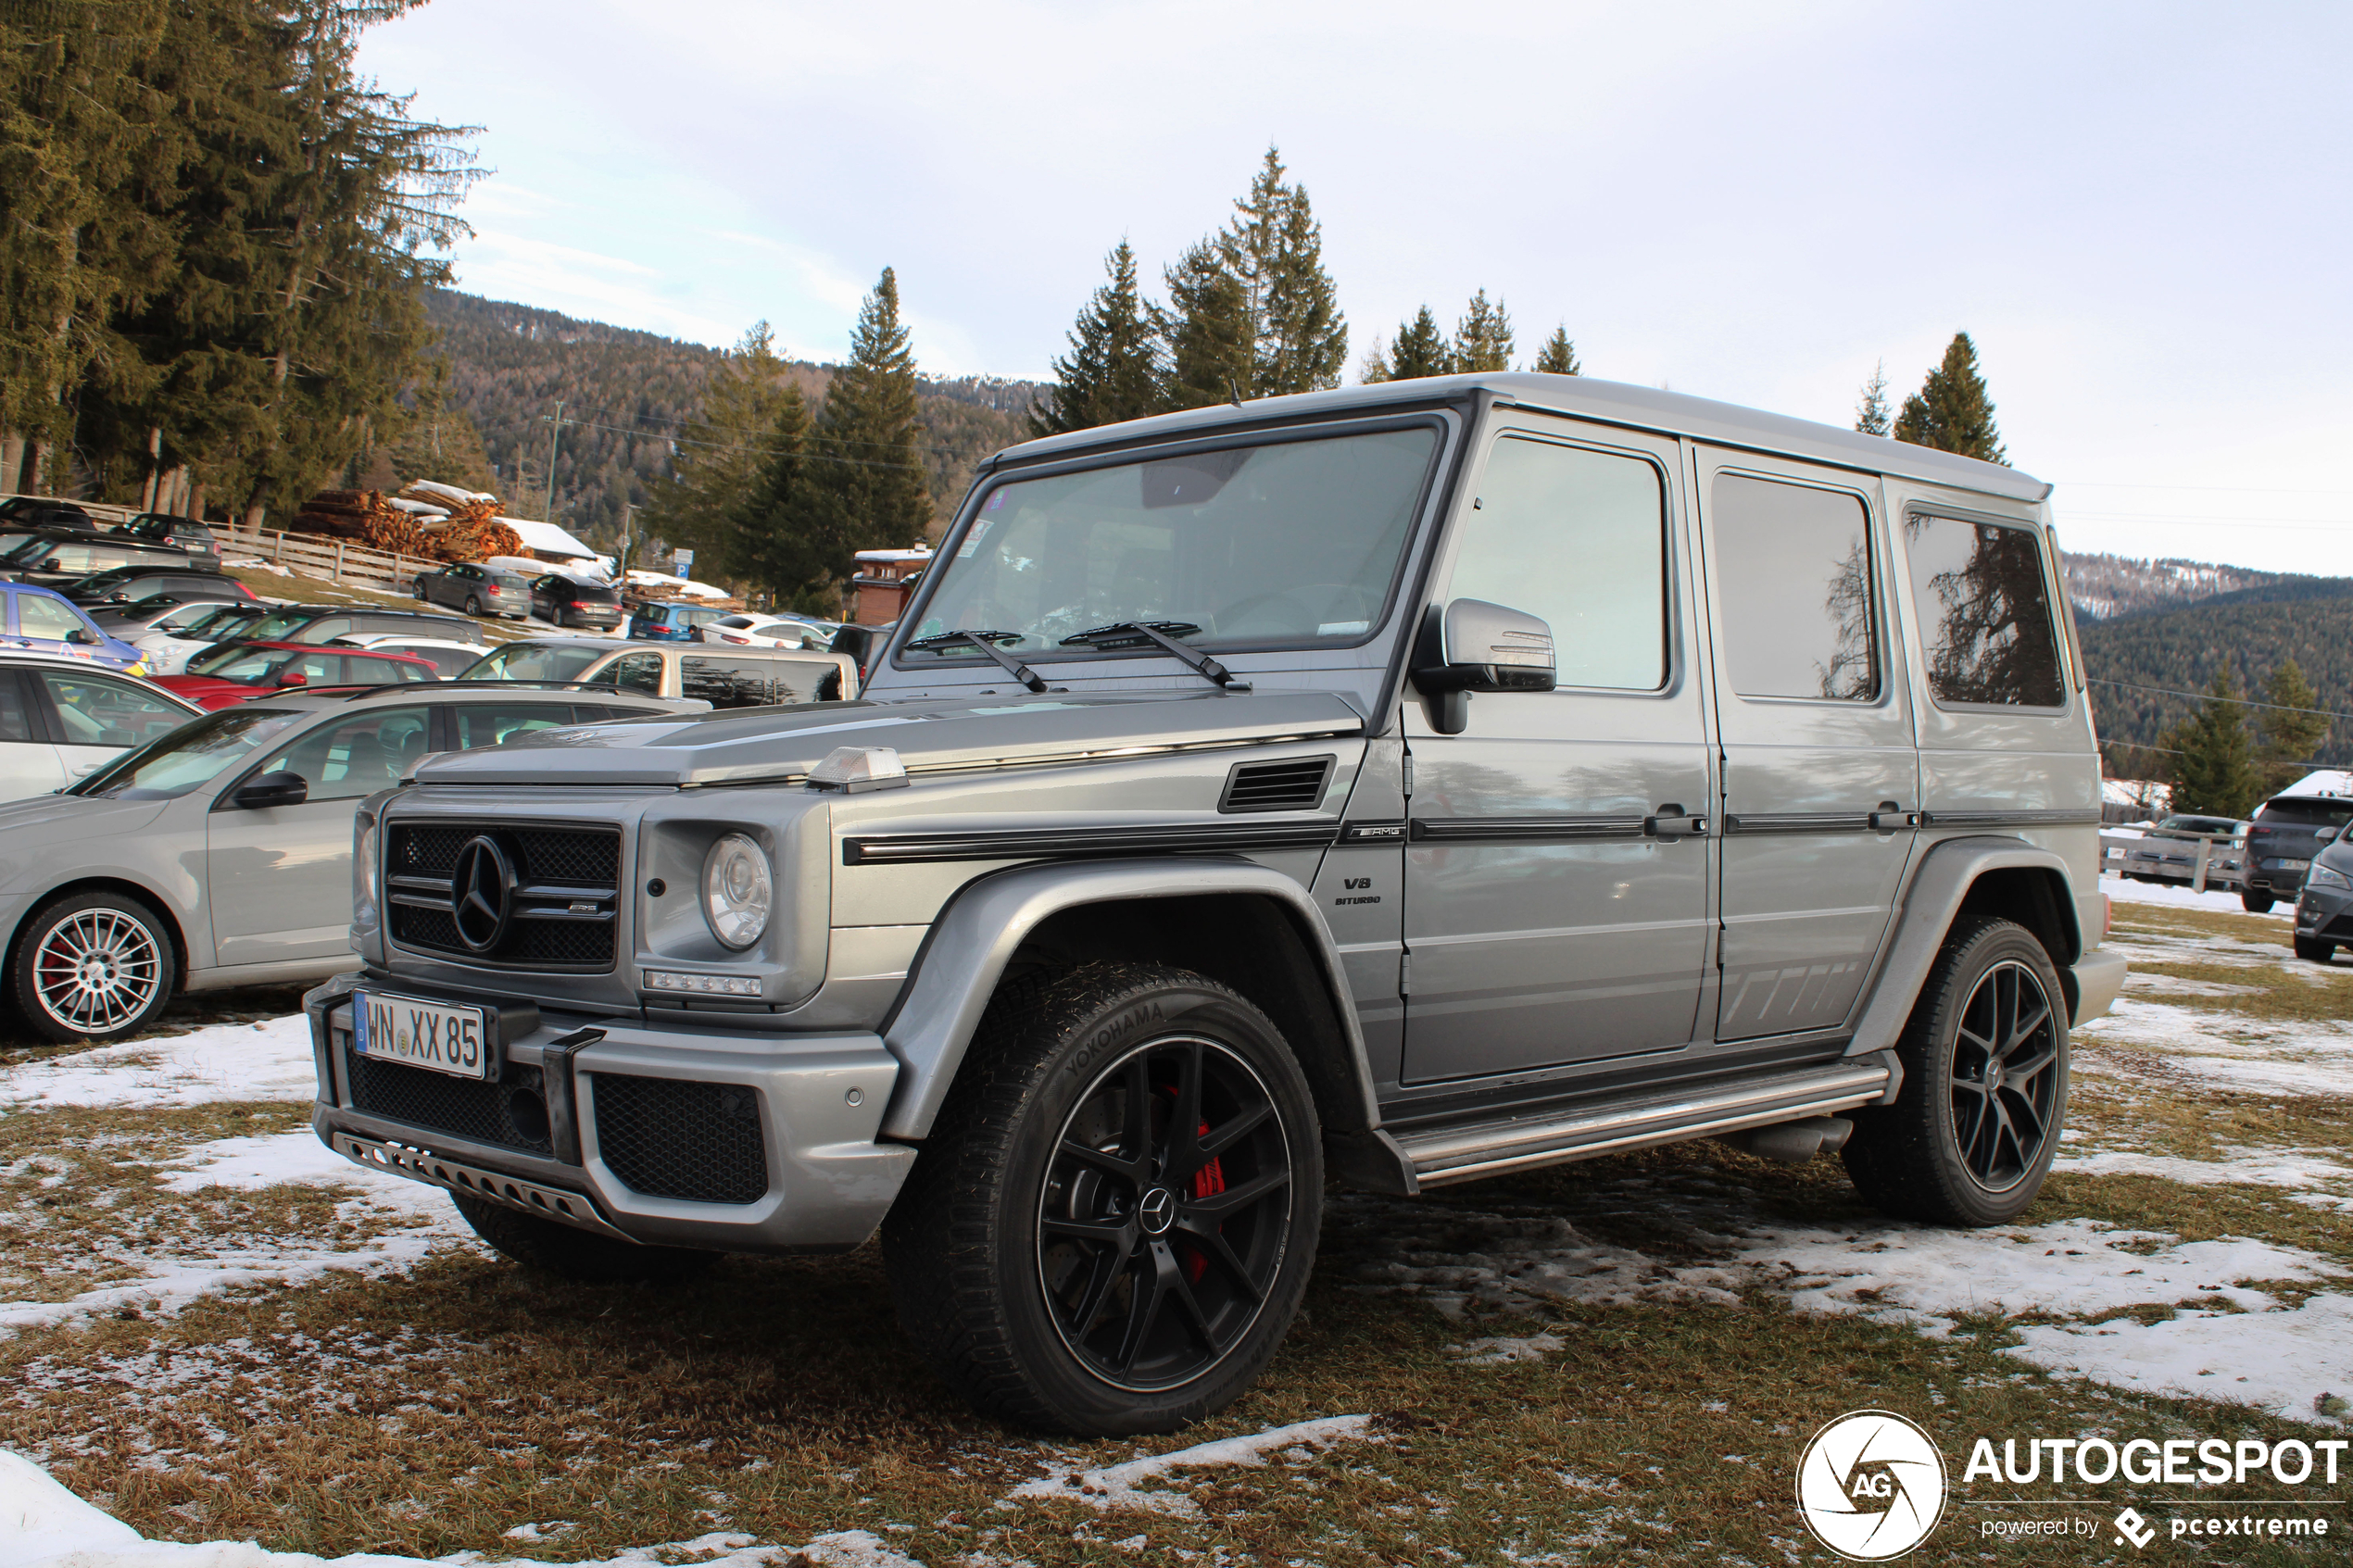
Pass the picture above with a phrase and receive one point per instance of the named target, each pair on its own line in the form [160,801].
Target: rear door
[1821,781]
[1547,919]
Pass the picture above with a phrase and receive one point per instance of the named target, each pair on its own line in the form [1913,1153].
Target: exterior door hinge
[1409,775]
[1405,974]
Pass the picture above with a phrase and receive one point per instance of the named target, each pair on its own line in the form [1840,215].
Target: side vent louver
[1293,784]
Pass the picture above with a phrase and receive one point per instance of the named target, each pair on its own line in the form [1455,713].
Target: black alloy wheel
[1976,1121]
[2005,1075]
[1110,1224]
[1163,1213]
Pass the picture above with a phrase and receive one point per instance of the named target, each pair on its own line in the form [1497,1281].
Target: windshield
[217,621]
[1287,544]
[529,661]
[192,755]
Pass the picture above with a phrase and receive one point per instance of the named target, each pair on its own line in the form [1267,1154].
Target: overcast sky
[2139,211]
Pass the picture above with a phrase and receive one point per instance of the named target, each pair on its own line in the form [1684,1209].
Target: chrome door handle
[1891,818]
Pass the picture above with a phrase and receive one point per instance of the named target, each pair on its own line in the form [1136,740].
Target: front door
[281,876]
[1821,780]
[1545,922]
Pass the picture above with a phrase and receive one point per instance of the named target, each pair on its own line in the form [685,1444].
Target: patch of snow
[2269,1077]
[1498,1351]
[223,1061]
[2258,1168]
[43,1526]
[683,585]
[2281,1360]
[2123,892]
[1115,1488]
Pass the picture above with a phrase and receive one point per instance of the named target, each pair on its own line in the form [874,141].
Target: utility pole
[555,434]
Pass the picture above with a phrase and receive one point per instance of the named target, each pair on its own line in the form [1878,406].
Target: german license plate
[421,1034]
[2291,865]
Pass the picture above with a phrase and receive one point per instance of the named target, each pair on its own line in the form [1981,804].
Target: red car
[235,672]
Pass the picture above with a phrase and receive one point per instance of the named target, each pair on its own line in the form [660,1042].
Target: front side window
[1282,543]
[362,754]
[492,723]
[531,661]
[39,617]
[195,754]
[1985,612]
[97,711]
[1578,538]
[1794,575]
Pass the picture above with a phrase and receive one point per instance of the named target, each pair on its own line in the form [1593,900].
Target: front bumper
[2324,914]
[677,1105]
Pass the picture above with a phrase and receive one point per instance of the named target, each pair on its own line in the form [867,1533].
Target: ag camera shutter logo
[1871,1486]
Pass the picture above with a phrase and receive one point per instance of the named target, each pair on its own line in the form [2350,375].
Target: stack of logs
[457,530]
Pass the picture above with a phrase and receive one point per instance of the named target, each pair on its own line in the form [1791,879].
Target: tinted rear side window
[1985,613]
[752,683]
[1794,574]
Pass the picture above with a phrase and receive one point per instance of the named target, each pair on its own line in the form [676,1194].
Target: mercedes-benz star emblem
[1157,1211]
[479,893]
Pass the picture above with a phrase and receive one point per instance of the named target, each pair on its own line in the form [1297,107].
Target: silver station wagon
[1404,785]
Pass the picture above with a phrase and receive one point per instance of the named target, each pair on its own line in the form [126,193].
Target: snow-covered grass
[237,1335]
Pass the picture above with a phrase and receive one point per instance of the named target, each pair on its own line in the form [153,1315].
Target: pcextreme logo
[1871,1486]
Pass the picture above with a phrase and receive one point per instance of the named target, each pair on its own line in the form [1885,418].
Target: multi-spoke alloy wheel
[2006,1075]
[92,967]
[1111,1221]
[1973,1128]
[1165,1209]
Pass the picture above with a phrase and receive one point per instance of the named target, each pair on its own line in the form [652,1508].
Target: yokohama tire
[1113,1221]
[93,966]
[2315,950]
[2257,903]
[575,1254]
[1965,1143]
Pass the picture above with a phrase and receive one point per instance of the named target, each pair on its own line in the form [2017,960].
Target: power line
[2209,697]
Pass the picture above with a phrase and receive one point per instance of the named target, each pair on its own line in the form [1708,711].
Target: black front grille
[1293,785]
[557,871]
[511,1112]
[667,1137]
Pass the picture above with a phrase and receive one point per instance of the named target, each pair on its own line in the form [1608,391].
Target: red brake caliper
[1208,1182]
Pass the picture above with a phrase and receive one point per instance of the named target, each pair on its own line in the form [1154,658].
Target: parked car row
[2168,851]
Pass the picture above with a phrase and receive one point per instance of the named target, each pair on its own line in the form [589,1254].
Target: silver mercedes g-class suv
[1396,785]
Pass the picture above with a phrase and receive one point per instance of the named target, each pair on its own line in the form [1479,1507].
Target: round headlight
[736,890]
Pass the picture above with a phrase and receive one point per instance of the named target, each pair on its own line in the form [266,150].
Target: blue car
[670,623]
[44,622]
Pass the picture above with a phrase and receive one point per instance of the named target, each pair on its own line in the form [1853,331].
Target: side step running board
[1461,1153]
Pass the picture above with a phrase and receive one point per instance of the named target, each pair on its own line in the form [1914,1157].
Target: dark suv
[53,559]
[2289,831]
[179,533]
[567,601]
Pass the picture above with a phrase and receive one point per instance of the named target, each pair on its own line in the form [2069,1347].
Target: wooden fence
[310,554]
[2218,859]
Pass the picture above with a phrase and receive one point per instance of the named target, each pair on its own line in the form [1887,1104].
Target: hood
[59,816]
[205,692]
[778,745]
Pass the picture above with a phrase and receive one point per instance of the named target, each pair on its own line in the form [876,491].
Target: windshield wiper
[987,642]
[1138,633]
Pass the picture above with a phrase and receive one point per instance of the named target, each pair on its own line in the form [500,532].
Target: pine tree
[1483,337]
[2291,738]
[2214,772]
[1952,411]
[1421,350]
[763,543]
[1251,312]
[861,485]
[1207,327]
[1113,373]
[1558,356]
[720,462]
[1871,414]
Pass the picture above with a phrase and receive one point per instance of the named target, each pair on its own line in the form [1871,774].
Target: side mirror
[2328,835]
[294,678]
[271,789]
[82,634]
[1472,645]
